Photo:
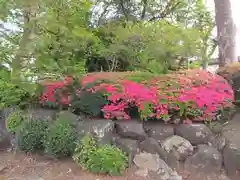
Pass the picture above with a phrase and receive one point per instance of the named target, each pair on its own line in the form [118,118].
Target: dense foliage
[60,138]
[74,37]
[84,150]
[11,95]
[30,136]
[105,159]
[231,73]
[191,95]
[14,121]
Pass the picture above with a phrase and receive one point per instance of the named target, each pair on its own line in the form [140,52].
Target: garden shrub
[12,95]
[231,72]
[84,149]
[86,101]
[60,138]
[30,136]
[14,121]
[89,103]
[193,95]
[105,159]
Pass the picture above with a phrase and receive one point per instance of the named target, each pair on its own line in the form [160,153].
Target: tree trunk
[226,32]
[22,55]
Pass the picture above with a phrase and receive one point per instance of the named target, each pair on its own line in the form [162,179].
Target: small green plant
[14,121]
[89,103]
[11,94]
[30,136]
[107,160]
[84,149]
[60,138]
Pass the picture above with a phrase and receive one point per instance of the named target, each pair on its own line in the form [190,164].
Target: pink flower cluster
[159,98]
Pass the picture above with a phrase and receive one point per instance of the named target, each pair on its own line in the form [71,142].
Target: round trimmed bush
[60,138]
[14,121]
[30,136]
[107,160]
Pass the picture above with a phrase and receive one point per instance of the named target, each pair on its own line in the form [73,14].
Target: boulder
[194,133]
[127,145]
[231,152]
[5,138]
[217,142]
[158,130]
[153,163]
[131,129]
[69,116]
[151,146]
[5,113]
[206,159]
[42,114]
[142,172]
[102,130]
[180,147]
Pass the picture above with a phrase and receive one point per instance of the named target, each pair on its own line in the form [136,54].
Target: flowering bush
[231,72]
[191,95]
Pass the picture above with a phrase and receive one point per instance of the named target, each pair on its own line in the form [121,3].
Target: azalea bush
[194,95]
[231,73]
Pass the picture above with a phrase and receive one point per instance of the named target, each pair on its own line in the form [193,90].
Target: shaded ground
[22,167]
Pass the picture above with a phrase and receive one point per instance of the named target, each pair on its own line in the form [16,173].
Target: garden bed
[165,126]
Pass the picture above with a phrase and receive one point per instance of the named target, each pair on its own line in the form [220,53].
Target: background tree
[69,37]
[225,31]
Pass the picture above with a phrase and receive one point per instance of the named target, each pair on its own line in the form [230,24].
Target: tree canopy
[78,36]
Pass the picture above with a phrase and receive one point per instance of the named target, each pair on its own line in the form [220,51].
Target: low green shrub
[105,159]
[11,95]
[60,138]
[14,121]
[84,149]
[89,103]
[30,136]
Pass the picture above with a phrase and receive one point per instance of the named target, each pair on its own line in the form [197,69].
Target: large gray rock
[152,163]
[5,113]
[231,152]
[194,133]
[127,145]
[42,114]
[102,130]
[218,142]
[158,130]
[131,129]
[206,159]
[180,147]
[5,138]
[151,146]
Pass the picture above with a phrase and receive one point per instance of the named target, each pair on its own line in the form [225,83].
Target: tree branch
[125,13]
[144,9]
[170,7]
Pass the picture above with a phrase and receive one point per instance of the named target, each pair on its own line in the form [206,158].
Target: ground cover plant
[104,159]
[193,95]
[60,137]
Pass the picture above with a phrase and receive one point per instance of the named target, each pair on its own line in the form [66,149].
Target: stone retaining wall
[159,147]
